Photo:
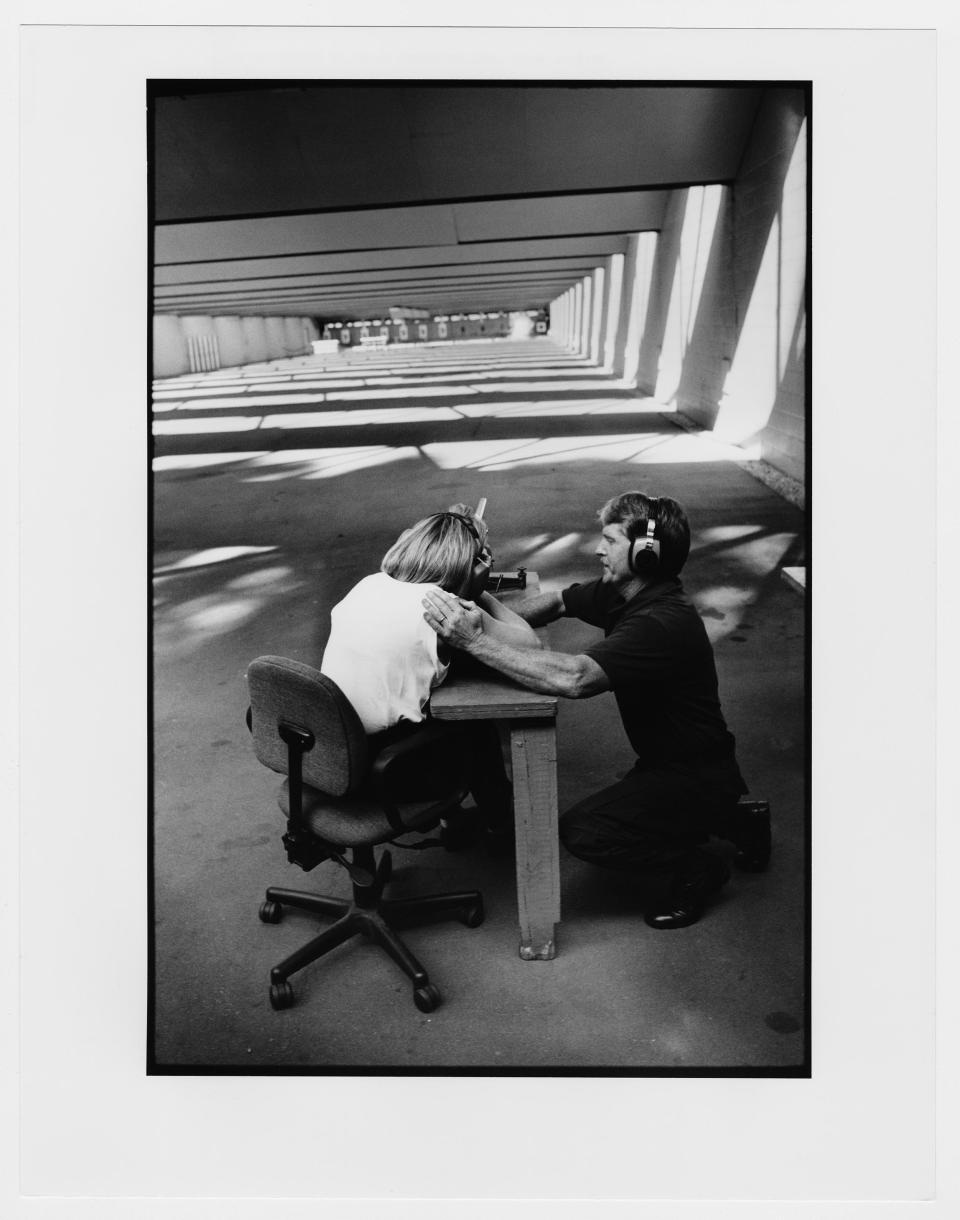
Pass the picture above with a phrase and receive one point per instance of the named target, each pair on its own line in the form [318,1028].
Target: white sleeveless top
[381,653]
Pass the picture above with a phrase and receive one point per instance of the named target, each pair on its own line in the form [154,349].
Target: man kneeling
[656,658]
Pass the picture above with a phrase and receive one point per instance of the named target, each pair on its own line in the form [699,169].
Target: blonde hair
[440,549]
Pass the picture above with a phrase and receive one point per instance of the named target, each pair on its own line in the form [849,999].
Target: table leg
[533,749]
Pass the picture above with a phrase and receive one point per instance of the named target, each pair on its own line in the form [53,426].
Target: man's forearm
[543,608]
[549,673]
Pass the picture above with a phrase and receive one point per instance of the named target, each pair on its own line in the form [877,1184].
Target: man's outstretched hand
[456,621]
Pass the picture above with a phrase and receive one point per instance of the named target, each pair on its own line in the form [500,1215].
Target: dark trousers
[651,823]
[469,747]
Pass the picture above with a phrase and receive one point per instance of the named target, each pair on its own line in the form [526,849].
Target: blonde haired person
[386,659]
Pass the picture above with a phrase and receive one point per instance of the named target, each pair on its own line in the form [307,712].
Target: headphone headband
[468,523]
[644,556]
[482,560]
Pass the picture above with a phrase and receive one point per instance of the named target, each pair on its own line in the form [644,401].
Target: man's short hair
[633,509]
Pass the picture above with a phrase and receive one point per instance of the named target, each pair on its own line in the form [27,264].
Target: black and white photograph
[479,476]
[480,513]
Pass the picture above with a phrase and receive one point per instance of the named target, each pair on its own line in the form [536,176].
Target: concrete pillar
[644,246]
[556,319]
[613,313]
[553,330]
[577,322]
[628,282]
[598,295]
[586,317]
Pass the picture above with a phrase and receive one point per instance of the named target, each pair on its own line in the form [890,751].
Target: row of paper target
[409,331]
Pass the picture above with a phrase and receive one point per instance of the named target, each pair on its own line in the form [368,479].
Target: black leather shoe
[751,835]
[706,877]
[680,914]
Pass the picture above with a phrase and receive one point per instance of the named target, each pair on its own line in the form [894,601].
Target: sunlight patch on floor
[212,555]
[722,607]
[195,461]
[330,463]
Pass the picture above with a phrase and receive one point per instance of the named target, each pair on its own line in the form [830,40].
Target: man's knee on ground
[578,832]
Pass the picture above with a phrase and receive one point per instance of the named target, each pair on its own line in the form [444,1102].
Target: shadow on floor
[251,552]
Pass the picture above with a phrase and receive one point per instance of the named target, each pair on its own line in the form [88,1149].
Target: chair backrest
[285,690]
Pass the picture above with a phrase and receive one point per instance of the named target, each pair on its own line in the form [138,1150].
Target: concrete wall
[724,334]
[765,392]
[179,342]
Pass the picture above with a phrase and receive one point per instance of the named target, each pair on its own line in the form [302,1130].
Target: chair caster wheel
[473,916]
[426,998]
[270,912]
[281,996]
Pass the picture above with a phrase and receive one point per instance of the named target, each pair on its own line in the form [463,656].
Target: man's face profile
[613,551]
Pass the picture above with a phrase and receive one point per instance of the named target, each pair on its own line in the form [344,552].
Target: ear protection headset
[644,557]
[482,561]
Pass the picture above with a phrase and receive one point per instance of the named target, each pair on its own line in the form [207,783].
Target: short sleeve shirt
[659,660]
[381,652]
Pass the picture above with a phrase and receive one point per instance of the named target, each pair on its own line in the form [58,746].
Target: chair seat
[358,820]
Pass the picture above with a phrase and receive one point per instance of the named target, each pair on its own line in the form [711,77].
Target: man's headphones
[644,556]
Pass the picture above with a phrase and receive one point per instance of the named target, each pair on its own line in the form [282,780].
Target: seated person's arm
[502,624]
[463,625]
[544,608]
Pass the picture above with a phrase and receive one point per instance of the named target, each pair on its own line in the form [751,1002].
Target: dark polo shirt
[660,664]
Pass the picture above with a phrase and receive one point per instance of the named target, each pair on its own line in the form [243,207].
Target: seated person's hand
[456,621]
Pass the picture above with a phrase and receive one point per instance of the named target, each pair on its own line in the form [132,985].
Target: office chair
[340,804]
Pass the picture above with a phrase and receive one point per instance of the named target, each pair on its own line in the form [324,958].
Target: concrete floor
[273,493]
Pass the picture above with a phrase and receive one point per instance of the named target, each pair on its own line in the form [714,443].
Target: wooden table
[532,719]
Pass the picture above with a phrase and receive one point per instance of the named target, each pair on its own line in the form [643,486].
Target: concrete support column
[577,320]
[613,311]
[598,295]
[557,316]
[644,249]
[628,285]
[586,317]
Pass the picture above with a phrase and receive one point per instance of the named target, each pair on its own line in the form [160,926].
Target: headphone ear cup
[479,578]
[644,556]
